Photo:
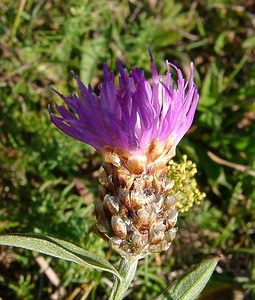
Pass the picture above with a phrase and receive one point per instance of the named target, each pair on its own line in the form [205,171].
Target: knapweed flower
[136,124]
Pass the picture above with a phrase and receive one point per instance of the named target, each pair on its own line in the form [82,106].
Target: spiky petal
[131,115]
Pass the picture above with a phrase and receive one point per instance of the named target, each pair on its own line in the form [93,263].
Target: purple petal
[131,115]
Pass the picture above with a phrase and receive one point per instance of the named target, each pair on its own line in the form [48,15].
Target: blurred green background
[48,181]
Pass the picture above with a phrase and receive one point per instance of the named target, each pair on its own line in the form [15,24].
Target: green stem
[127,270]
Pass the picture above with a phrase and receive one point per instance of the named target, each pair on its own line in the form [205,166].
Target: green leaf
[92,51]
[220,42]
[58,248]
[190,285]
[208,97]
[249,43]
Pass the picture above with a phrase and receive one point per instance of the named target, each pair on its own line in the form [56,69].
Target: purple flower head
[133,115]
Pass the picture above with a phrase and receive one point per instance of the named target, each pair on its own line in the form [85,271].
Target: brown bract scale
[136,211]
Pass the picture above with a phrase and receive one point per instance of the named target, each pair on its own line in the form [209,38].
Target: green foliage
[48,181]
[24,287]
[58,248]
[190,285]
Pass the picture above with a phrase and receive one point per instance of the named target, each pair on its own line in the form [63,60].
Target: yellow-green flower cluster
[185,186]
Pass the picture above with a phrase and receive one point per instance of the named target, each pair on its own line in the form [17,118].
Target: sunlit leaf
[58,248]
[189,286]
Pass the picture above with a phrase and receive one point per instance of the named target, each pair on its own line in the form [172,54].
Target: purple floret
[131,115]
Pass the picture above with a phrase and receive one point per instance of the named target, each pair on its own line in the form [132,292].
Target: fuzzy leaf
[58,248]
[190,285]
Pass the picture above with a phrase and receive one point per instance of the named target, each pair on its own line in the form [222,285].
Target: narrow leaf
[58,248]
[190,285]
